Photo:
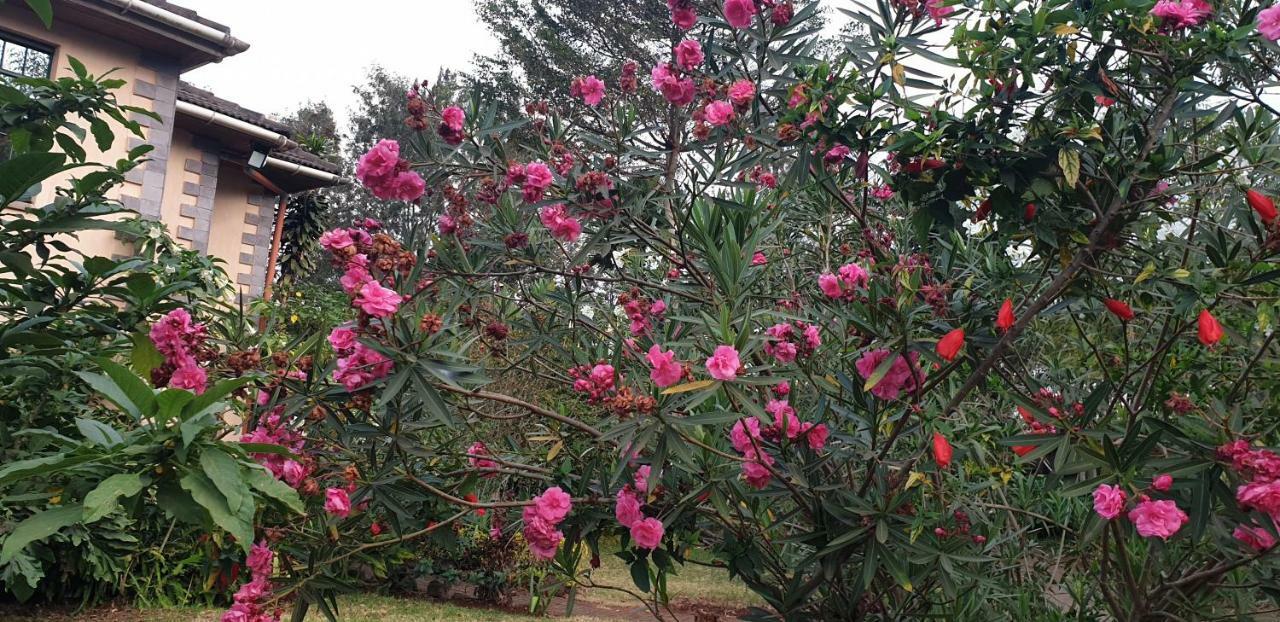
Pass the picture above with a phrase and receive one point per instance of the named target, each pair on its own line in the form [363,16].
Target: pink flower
[854,276]
[759,259]
[376,300]
[537,178]
[190,376]
[453,118]
[260,559]
[742,92]
[743,432]
[1108,501]
[689,54]
[647,533]
[901,375]
[553,505]
[684,18]
[677,91]
[836,154]
[1254,537]
[354,278]
[363,366]
[784,418]
[739,12]
[937,11]
[1261,495]
[294,473]
[719,113]
[589,88]
[542,536]
[724,363]
[666,370]
[812,337]
[1162,482]
[882,192]
[335,239]
[337,503]
[756,474]
[342,338]
[816,435]
[1158,519]
[1269,22]
[380,162]
[476,456]
[641,479]
[830,285]
[627,509]
[562,226]
[1178,14]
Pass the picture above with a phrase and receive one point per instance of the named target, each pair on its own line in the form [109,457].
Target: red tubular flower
[1029,212]
[1262,204]
[1210,329]
[941,451]
[1118,309]
[950,344]
[1004,319]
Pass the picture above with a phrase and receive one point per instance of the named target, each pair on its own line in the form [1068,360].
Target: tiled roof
[205,99]
[297,155]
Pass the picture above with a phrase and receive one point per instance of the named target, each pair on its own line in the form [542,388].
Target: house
[218,171]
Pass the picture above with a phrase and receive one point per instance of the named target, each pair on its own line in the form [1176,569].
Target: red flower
[471,498]
[1004,319]
[1029,212]
[941,450]
[1262,204]
[1210,329]
[1118,309]
[1023,450]
[950,344]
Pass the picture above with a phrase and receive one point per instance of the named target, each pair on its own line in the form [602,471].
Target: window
[20,58]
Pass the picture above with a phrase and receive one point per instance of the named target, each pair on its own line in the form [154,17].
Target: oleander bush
[971,318]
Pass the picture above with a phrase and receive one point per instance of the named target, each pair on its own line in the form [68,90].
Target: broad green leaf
[44,10]
[264,482]
[24,171]
[112,391]
[99,433]
[206,494]
[38,527]
[106,497]
[141,394]
[224,472]
[1069,162]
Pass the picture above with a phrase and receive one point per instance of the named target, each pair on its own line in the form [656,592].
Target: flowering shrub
[823,317]
[816,323]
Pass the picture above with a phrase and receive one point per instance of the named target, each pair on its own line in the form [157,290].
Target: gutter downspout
[276,234]
[229,43]
[306,171]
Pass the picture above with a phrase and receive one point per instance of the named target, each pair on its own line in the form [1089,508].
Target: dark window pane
[37,64]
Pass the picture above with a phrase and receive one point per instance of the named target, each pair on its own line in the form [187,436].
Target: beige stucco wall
[230,226]
[100,55]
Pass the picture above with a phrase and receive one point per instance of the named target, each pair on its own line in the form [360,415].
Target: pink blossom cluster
[248,601]
[177,338]
[358,364]
[666,370]
[1181,14]
[589,88]
[1269,22]
[533,178]
[541,518]
[845,283]
[348,248]
[337,502]
[641,311]
[1152,518]
[596,381]
[271,430]
[387,175]
[562,226]
[452,120]
[748,437]
[1260,493]
[724,363]
[645,532]
[478,457]
[682,13]
[673,84]
[902,376]
[789,341]
[739,12]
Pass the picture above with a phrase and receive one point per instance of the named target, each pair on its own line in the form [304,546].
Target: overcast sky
[304,50]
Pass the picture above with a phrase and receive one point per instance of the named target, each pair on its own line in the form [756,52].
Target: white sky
[313,50]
